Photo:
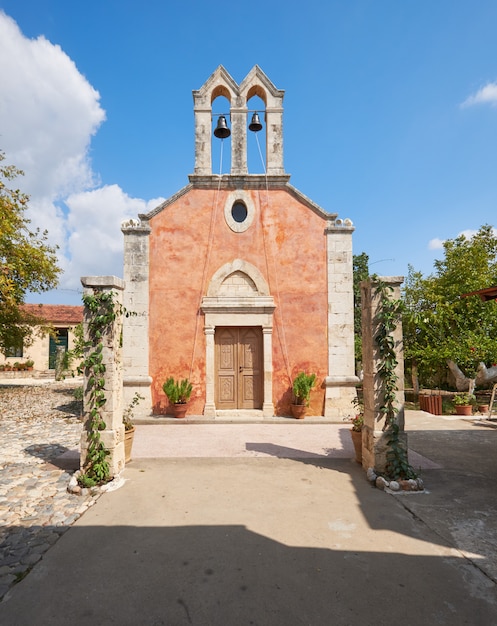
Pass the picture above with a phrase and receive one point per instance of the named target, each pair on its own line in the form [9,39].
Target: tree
[360,273]
[443,329]
[27,262]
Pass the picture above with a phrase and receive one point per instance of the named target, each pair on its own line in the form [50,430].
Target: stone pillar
[374,439]
[135,325]
[203,137]
[113,435]
[274,140]
[267,338]
[238,140]
[210,403]
[341,380]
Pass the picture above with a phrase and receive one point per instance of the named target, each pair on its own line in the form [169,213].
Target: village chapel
[239,281]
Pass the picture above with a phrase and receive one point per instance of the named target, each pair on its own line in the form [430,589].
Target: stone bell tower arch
[256,83]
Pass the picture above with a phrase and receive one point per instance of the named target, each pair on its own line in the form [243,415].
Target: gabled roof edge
[166,203]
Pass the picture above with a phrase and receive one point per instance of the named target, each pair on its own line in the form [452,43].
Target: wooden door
[239,367]
[61,340]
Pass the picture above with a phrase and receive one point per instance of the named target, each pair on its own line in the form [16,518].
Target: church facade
[239,281]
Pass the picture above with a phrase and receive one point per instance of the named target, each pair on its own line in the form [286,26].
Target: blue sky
[390,114]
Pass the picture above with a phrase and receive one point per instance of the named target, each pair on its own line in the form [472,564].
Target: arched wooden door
[238,367]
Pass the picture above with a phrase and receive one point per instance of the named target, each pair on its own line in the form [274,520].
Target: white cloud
[48,115]
[485,95]
[469,233]
[95,241]
[435,244]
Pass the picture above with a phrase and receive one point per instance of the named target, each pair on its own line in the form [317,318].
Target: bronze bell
[255,125]
[222,131]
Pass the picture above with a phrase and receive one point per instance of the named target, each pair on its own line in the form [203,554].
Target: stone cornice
[241,181]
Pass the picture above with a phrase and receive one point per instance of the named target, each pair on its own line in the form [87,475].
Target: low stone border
[395,486]
[8,374]
[75,488]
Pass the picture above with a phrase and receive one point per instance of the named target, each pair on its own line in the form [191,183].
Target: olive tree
[444,330]
[27,262]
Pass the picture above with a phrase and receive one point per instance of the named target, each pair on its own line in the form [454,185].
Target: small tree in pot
[178,393]
[302,385]
[464,403]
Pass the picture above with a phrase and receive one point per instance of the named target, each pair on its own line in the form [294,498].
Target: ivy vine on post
[103,311]
[388,317]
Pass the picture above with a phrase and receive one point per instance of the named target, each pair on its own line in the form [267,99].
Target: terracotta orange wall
[286,242]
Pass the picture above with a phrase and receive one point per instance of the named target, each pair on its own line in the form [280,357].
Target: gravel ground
[37,425]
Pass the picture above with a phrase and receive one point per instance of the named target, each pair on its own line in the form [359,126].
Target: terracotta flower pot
[298,411]
[463,409]
[179,410]
[128,443]
[483,408]
[357,441]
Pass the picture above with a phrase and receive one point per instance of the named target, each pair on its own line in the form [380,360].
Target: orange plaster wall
[286,242]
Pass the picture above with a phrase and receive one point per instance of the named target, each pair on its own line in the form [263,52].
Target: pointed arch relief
[240,268]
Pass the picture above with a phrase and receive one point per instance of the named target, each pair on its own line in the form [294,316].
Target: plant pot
[463,409]
[298,411]
[357,441]
[483,408]
[179,410]
[128,443]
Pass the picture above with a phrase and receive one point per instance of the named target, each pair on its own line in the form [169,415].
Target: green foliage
[178,392]
[358,420]
[302,385]
[360,273]
[397,467]
[464,399]
[27,262]
[129,411]
[388,316]
[438,324]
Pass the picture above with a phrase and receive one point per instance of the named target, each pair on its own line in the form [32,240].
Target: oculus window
[239,212]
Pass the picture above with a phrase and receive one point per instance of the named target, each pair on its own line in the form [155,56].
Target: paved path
[38,424]
[40,429]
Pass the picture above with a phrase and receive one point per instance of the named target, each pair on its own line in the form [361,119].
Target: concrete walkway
[240,524]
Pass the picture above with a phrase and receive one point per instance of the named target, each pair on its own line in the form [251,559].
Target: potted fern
[178,393]
[301,387]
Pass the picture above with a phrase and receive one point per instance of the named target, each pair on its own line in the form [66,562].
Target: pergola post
[374,437]
[112,436]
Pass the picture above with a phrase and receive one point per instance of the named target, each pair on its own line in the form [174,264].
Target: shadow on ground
[229,575]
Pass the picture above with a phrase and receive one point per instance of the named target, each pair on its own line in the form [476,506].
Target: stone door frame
[231,309]
[235,372]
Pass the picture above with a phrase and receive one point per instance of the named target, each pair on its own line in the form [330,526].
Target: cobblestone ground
[37,425]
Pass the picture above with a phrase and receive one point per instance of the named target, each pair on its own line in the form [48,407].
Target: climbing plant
[103,310]
[388,317]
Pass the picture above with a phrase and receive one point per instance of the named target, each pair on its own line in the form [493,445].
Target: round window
[239,212]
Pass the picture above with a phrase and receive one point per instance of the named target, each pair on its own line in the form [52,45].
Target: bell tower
[235,122]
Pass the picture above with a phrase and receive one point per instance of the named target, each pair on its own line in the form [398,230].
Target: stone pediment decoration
[238,287]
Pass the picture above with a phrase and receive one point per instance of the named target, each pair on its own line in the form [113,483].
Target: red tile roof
[490,293]
[56,313]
